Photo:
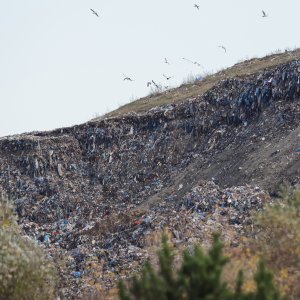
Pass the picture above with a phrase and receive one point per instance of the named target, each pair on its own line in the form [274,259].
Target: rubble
[79,190]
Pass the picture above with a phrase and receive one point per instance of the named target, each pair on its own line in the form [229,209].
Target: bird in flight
[264,15]
[196,6]
[156,85]
[127,78]
[94,12]
[167,77]
[192,62]
[223,48]
[166,61]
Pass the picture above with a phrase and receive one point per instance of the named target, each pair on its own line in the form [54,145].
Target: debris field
[93,194]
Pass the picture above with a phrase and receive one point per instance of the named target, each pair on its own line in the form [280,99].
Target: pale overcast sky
[60,65]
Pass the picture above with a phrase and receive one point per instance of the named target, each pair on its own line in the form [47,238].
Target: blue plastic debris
[76,274]
[112,263]
[47,239]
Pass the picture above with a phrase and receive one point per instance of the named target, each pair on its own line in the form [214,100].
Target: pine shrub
[198,277]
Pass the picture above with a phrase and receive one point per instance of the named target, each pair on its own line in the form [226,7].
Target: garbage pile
[100,252]
[78,190]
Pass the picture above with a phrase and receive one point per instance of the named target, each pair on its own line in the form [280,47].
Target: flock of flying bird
[149,83]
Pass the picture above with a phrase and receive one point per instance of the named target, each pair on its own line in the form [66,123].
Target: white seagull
[192,62]
[223,48]
[127,78]
[167,77]
[156,85]
[94,12]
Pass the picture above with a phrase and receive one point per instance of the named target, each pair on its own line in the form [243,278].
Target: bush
[198,277]
[277,238]
[24,272]
[278,233]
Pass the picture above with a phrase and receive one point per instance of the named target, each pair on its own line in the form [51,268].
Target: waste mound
[92,194]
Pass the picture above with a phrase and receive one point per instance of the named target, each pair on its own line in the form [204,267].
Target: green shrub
[278,230]
[24,271]
[198,277]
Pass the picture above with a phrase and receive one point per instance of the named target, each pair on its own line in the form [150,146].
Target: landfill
[91,195]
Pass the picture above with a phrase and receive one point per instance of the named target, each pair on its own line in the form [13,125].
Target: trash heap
[97,254]
[79,190]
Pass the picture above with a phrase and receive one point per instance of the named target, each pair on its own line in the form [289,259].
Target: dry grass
[278,231]
[276,238]
[194,89]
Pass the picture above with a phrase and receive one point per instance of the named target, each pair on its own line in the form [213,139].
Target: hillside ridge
[186,91]
[99,189]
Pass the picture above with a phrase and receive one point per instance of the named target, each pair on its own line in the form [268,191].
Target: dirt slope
[265,160]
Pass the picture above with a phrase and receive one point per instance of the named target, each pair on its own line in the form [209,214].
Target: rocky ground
[93,195]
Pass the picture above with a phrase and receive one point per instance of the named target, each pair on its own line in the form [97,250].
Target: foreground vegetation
[24,271]
[277,239]
[278,230]
[199,277]
[274,235]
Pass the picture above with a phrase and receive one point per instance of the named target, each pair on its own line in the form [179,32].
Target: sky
[61,65]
